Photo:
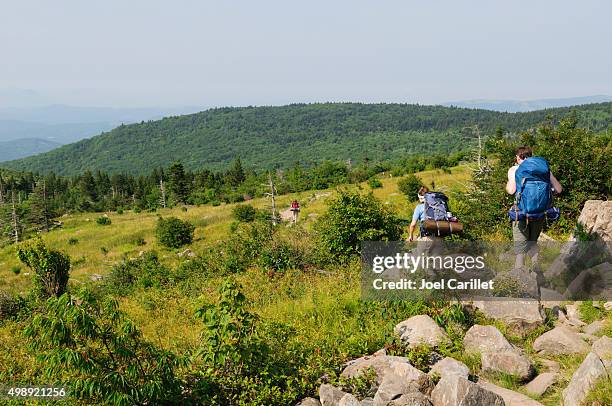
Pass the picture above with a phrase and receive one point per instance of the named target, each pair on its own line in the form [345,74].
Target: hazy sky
[210,53]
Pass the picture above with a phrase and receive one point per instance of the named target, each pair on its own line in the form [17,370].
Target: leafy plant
[173,232]
[244,213]
[409,185]
[104,354]
[103,221]
[374,183]
[51,268]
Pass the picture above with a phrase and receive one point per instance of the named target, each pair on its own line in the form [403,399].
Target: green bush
[103,221]
[352,218]
[244,213]
[16,270]
[280,256]
[10,305]
[374,183]
[173,232]
[105,355]
[51,268]
[73,241]
[409,186]
[145,271]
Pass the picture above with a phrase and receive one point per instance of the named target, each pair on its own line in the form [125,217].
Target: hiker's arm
[511,184]
[555,183]
[411,230]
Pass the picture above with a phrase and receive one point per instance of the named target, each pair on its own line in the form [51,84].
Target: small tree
[51,268]
[352,218]
[244,213]
[173,232]
[409,186]
[40,213]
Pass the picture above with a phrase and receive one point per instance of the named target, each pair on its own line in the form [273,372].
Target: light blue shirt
[419,213]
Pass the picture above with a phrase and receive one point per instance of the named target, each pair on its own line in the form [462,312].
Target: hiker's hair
[423,190]
[524,152]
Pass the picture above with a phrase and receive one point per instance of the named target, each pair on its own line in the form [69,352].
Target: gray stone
[379,363]
[450,366]
[349,400]
[541,383]
[520,315]
[509,362]
[411,399]
[596,218]
[421,329]
[572,311]
[401,379]
[511,398]
[595,327]
[309,402]
[608,305]
[583,380]
[603,348]
[560,341]
[454,390]
[367,402]
[408,373]
[481,339]
[330,395]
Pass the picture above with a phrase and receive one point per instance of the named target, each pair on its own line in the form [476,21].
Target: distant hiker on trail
[533,184]
[295,210]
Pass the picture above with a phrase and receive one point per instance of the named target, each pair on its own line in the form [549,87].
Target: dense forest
[279,137]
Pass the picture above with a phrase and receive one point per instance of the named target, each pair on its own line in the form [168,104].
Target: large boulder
[449,366]
[379,363]
[512,362]
[419,330]
[583,380]
[603,349]
[330,395]
[520,315]
[560,341]
[511,398]
[596,218]
[454,390]
[349,400]
[400,379]
[540,384]
[479,339]
[595,327]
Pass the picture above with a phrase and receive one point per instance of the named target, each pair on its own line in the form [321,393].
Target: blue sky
[211,53]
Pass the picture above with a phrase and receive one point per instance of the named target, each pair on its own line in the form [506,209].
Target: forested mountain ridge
[267,137]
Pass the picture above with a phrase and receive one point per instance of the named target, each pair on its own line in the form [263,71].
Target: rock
[550,366]
[595,327]
[96,277]
[349,400]
[309,402]
[583,380]
[560,341]
[454,390]
[411,399]
[187,253]
[596,218]
[480,339]
[572,311]
[603,348]
[594,281]
[608,306]
[408,373]
[541,383]
[421,329]
[449,366]
[367,402]
[509,362]
[589,338]
[520,315]
[330,395]
[511,398]
[379,363]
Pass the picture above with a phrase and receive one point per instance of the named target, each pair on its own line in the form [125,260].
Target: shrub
[73,241]
[139,241]
[51,268]
[279,256]
[244,213]
[10,305]
[173,232]
[145,271]
[96,345]
[409,186]
[374,183]
[16,270]
[119,211]
[103,221]
[352,218]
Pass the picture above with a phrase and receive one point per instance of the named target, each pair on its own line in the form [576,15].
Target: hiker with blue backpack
[434,218]
[533,185]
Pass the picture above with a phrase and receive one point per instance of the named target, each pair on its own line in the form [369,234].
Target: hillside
[15,149]
[266,137]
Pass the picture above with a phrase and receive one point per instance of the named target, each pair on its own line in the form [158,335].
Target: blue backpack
[533,199]
[436,206]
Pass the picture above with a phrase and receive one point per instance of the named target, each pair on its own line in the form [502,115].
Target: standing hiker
[295,210]
[532,182]
[418,216]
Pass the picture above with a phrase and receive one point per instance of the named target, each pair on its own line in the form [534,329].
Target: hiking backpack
[436,206]
[533,190]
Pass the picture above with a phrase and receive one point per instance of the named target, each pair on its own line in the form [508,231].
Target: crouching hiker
[533,185]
